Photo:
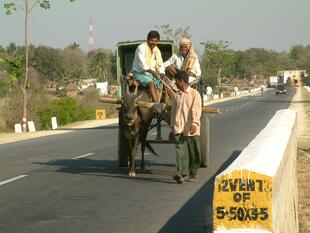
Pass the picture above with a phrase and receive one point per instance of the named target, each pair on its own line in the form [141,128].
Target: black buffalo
[134,122]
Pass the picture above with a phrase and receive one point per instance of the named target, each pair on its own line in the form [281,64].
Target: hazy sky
[270,24]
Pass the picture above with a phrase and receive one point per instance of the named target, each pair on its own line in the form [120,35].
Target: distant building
[272,81]
[72,90]
[291,77]
[85,83]
[103,88]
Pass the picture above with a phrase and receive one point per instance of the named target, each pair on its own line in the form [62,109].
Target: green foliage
[4,88]
[48,62]
[15,68]
[14,50]
[218,54]
[301,56]
[74,45]
[299,53]
[251,62]
[74,64]
[100,64]
[58,65]
[45,4]
[64,65]
[217,58]
[26,6]
[9,7]
[11,110]
[66,110]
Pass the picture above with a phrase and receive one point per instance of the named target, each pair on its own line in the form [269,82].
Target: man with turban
[186,60]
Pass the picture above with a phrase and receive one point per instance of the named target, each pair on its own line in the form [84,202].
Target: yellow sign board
[242,199]
[100,114]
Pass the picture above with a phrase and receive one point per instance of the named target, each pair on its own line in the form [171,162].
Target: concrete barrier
[258,191]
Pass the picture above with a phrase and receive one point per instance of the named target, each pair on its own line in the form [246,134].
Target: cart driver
[148,64]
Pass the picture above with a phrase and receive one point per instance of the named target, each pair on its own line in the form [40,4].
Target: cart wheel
[204,140]
[122,149]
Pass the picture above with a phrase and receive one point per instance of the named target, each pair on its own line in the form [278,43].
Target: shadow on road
[196,216]
[88,128]
[110,168]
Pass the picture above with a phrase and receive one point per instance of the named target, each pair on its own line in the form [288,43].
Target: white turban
[184,41]
[191,56]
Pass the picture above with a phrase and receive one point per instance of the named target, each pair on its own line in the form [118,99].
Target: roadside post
[31,127]
[54,123]
[18,128]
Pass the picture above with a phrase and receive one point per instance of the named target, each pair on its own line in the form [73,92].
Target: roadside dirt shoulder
[301,103]
[13,137]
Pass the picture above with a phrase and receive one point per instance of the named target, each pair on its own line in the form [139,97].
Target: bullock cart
[124,59]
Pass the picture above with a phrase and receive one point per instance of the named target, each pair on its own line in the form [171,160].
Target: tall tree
[217,56]
[174,34]
[253,62]
[26,6]
[298,54]
[74,64]
[74,45]
[49,62]
[100,64]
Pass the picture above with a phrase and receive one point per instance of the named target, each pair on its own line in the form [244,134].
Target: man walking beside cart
[185,128]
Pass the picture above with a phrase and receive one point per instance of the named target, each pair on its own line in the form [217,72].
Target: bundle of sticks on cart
[149,104]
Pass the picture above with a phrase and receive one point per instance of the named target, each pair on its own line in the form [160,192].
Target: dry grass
[303,171]
[303,165]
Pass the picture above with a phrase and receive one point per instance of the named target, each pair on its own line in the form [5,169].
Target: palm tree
[100,65]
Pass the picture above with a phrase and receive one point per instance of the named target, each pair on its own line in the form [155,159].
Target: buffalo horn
[127,90]
[145,104]
[136,91]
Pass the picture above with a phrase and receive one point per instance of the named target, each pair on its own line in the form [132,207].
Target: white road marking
[153,133]
[12,179]
[83,156]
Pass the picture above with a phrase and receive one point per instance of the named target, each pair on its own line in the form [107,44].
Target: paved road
[71,183]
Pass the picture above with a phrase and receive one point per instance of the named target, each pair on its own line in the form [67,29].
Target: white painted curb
[258,191]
